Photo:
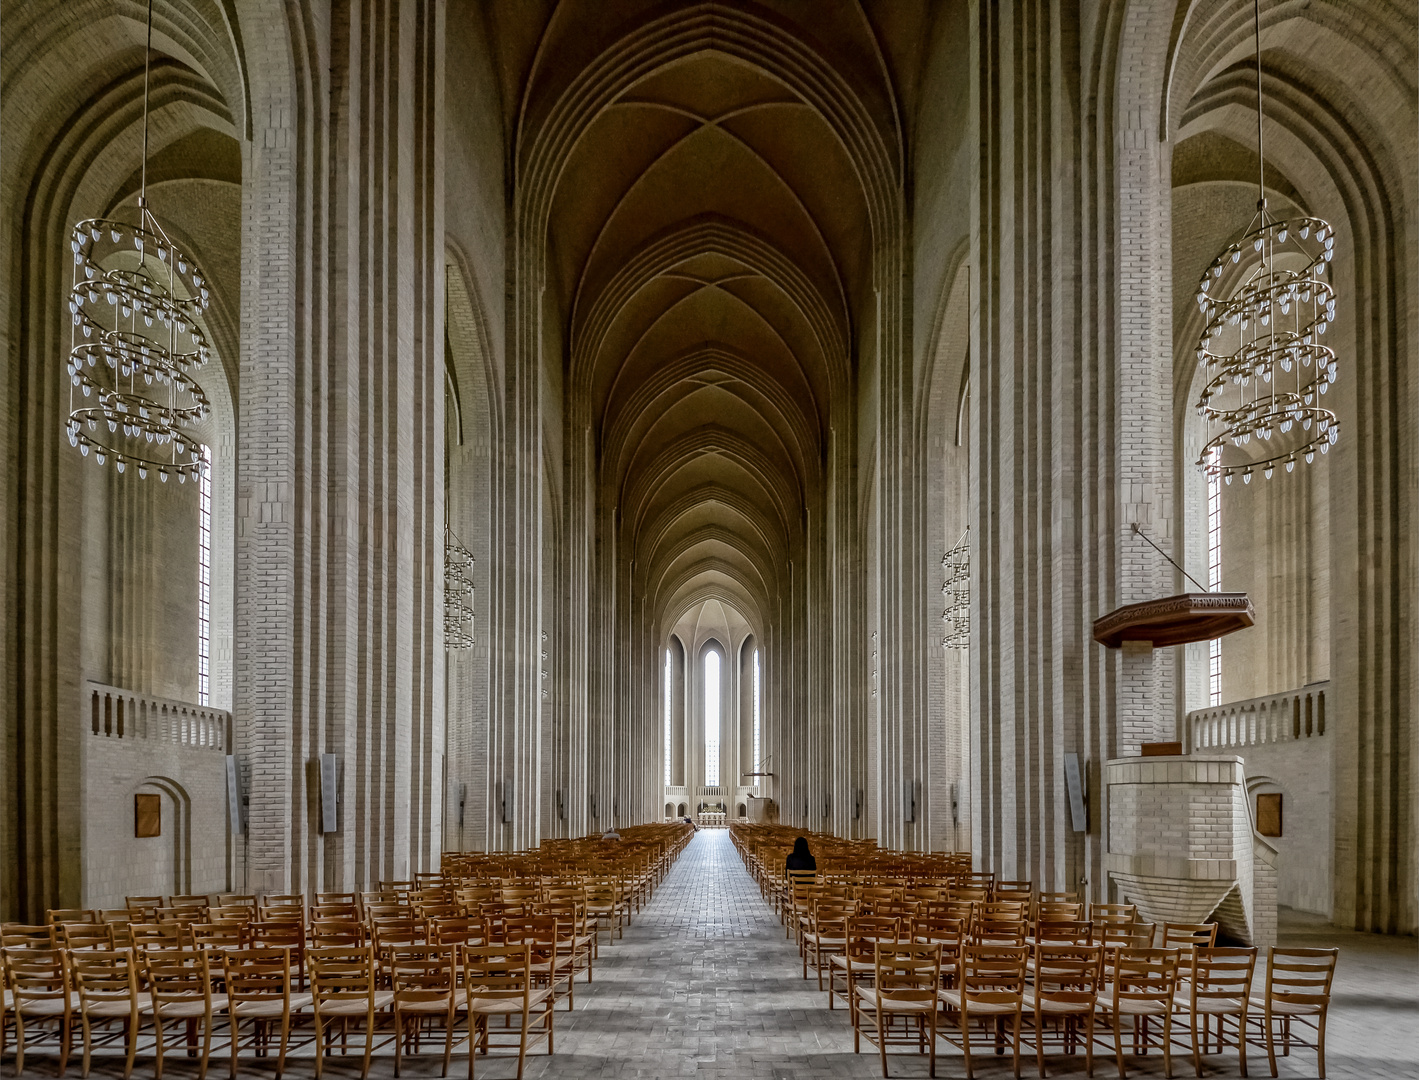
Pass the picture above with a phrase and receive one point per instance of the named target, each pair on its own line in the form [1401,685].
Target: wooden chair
[1065,993]
[264,934]
[424,982]
[344,986]
[106,984]
[570,911]
[1113,913]
[58,916]
[1218,986]
[179,987]
[118,919]
[26,936]
[906,978]
[197,900]
[1185,935]
[857,963]
[826,935]
[218,936]
[991,986]
[329,933]
[1142,988]
[86,936]
[1297,989]
[144,908]
[164,935]
[947,932]
[37,984]
[498,982]
[247,900]
[258,985]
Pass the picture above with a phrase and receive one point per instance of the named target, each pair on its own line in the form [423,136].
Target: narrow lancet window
[711,719]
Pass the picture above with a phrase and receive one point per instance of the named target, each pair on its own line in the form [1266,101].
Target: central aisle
[703,983]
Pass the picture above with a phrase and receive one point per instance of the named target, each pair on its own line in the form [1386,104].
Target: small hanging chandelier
[1261,347]
[957,590]
[134,339]
[457,593]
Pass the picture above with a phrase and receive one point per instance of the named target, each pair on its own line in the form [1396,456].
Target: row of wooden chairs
[405,991]
[1068,992]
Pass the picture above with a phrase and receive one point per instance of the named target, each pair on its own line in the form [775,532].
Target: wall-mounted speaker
[507,802]
[955,803]
[329,793]
[909,801]
[561,804]
[236,797]
[1078,793]
[460,799]
[856,804]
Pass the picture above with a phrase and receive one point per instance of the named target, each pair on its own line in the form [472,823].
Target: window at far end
[711,718]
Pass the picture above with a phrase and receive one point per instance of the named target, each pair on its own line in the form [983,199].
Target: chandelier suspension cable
[133,396]
[147,69]
[1262,320]
[1260,145]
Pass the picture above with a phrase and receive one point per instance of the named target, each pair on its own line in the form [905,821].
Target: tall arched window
[669,678]
[711,718]
[204,582]
[758,755]
[1214,581]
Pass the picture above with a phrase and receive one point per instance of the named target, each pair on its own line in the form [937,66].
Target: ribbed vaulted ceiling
[709,240]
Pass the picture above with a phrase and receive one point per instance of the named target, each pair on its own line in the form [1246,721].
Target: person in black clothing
[800,858]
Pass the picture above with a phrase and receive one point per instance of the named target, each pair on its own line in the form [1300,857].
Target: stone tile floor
[706,984]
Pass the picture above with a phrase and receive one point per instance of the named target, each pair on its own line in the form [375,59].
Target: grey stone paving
[706,984]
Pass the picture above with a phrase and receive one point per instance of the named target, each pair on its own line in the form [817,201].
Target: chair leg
[133,1027]
[398,1040]
[285,1040]
[206,1047]
[235,1029]
[66,1041]
[19,1045]
[1089,1044]
[1270,1041]
[1016,1041]
[1196,1050]
[1168,1044]
[320,1048]
[448,1038]
[1118,1045]
[878,1020]
[966,1038]
[1040,1042]
[1320,1046]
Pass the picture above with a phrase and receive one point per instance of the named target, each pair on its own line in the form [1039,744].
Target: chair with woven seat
[551,953]
[498,982]
[1141,988]
[990,987]
[218,936]
[344,986]
[424,984]
[278,934]
[570,910]
[37,981]
[1297,991]
[1065,993]
[899,1007]
[1217,986]
[163,935]
[825,935]
[258,983]
[857,962]
[179,987]
[950,934]
[106,985]
[144,908]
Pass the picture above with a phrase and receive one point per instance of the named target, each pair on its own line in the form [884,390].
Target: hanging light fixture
[957,590]
[134,339]
[1261,348]
[457,593]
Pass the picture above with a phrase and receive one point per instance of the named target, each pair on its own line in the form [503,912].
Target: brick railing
[123,714]
[1293,715]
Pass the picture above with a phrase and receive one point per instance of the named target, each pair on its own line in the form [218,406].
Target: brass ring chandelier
[135,341]
[1261,350]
